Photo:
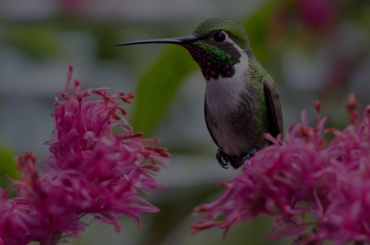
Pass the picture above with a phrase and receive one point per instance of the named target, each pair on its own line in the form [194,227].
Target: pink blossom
[318,14]
[13,220]
[90,170]
[303,174]
[73,6]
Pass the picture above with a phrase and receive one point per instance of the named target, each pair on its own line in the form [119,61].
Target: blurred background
[314,49]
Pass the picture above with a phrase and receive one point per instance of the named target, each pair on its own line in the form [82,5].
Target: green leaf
[37,42]
[7,167]
[257,26]
[158,87]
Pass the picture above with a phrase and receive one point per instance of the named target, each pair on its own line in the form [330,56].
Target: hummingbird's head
[217,45]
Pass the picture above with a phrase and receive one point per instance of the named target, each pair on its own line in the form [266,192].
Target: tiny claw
[251,152]
[220,156]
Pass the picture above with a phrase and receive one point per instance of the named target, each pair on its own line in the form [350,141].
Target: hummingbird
[241,102]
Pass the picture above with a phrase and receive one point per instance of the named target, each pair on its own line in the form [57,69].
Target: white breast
[223,97]
[222,94]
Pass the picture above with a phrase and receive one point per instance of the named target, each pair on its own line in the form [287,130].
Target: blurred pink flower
[13,220]
[90,170]
[73,6]
[304,175]
[318,14]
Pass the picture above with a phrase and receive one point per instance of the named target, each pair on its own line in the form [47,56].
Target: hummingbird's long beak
[177,40]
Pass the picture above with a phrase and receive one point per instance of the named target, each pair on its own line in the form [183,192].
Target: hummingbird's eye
[219,36]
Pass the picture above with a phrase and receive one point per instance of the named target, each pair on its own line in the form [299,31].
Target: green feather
[229,25]
[257,75]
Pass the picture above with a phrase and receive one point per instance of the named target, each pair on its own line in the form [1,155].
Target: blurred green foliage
[36,41]
[7,167]
[158,87]
[258,24]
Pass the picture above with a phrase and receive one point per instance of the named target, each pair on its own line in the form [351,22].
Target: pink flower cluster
[303,175]
[90,170]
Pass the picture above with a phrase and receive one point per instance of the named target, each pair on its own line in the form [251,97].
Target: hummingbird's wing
[274,106]
[209,121]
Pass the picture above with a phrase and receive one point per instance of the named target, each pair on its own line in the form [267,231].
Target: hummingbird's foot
[221,158]
[250,153]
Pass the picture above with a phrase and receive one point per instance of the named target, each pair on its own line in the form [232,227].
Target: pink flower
[90,170]
[318,14]
[13,220]
[72,6]
[304,175]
